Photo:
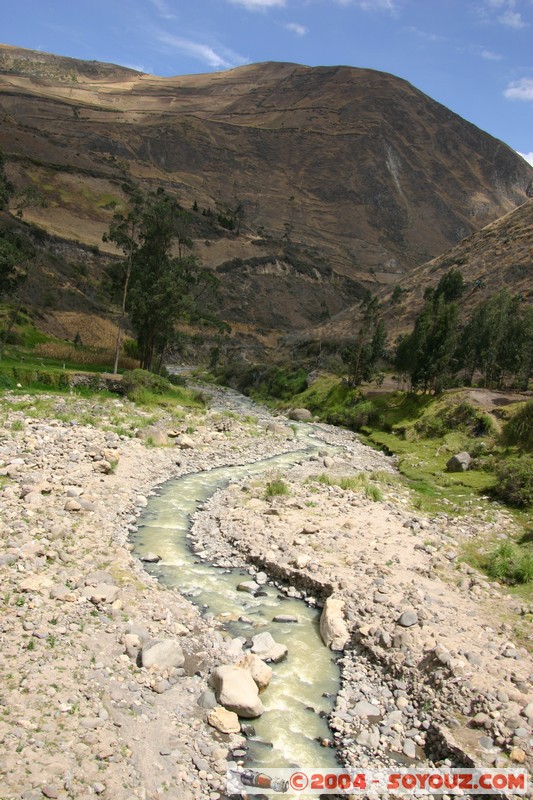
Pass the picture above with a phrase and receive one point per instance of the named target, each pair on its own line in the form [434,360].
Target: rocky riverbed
[106,675]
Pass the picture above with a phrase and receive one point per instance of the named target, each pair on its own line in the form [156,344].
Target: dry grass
[94,331]
[97,356]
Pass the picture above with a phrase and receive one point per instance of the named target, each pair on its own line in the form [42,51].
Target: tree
[6,187]
[363,353]
[29,198]
[14,255]
[124,231]
[498,342]
[428,353]
[451,286]
[164,289]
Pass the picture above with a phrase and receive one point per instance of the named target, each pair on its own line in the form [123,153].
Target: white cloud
[136,67]
[225,59]
[488,55]
[372,5]
[512,19]
[528,157]
[258,5]
[504,12]
[299,30]
[163,9]
[520,90]
[426,35]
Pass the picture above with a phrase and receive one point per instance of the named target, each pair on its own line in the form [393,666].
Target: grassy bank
[423,432]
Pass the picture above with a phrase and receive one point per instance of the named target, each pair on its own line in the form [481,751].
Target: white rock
[333,628]
[236,690]
[162,655]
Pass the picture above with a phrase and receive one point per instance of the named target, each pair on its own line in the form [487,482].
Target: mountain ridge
[351,167]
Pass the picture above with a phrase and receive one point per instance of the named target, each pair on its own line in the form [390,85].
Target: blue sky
[474,56]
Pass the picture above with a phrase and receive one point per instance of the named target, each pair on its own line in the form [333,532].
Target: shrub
[373,492]
[276,488]
[508,563]
[141,381]
[515,481]
[519,429]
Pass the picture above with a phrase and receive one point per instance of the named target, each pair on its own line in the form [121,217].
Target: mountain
[348,178]
[499,256]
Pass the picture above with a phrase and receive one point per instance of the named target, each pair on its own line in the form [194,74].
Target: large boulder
[280,430]
[236,690]
[162,655]
[185,442]
[260,672]
[155,435]
[300,414]
[333,628]
[460,462]
[264,646]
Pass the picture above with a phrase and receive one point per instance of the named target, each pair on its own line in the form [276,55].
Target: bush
[140,382]
[519,429]
[276,488]
[515,481]
[509,564]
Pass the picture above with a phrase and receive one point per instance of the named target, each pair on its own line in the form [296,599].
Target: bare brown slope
[358,167]
[500,256]
[382,176]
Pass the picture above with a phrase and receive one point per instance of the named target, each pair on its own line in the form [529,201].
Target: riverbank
[435,667]
[79,718]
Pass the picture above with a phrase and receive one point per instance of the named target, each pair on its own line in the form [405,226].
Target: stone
[50,790]
[207,699]
[460,462]
[333,628]
[156,436]
[101,593]
[365,709]
[35,584]
[72,505]
[300,414]
[310,528]
[162,655]
[132,645]
[248,586]
[264,646]
[279,430]
[409,749]
[284,618]
[527,711]
[150,558]
[486,742]
[258,669]
[185,442]
[100,576]
[223,720]
[236,690]
[517,755]
[408,618]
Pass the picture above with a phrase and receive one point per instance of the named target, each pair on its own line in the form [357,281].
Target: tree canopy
[161,288]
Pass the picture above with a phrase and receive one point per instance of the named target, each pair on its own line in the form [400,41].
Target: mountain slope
[500,256]
[353,169]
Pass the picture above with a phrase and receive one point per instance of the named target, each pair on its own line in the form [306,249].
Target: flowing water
[306,682]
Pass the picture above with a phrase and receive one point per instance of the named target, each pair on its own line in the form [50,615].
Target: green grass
[276,488]
[509,562]
[356,483]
